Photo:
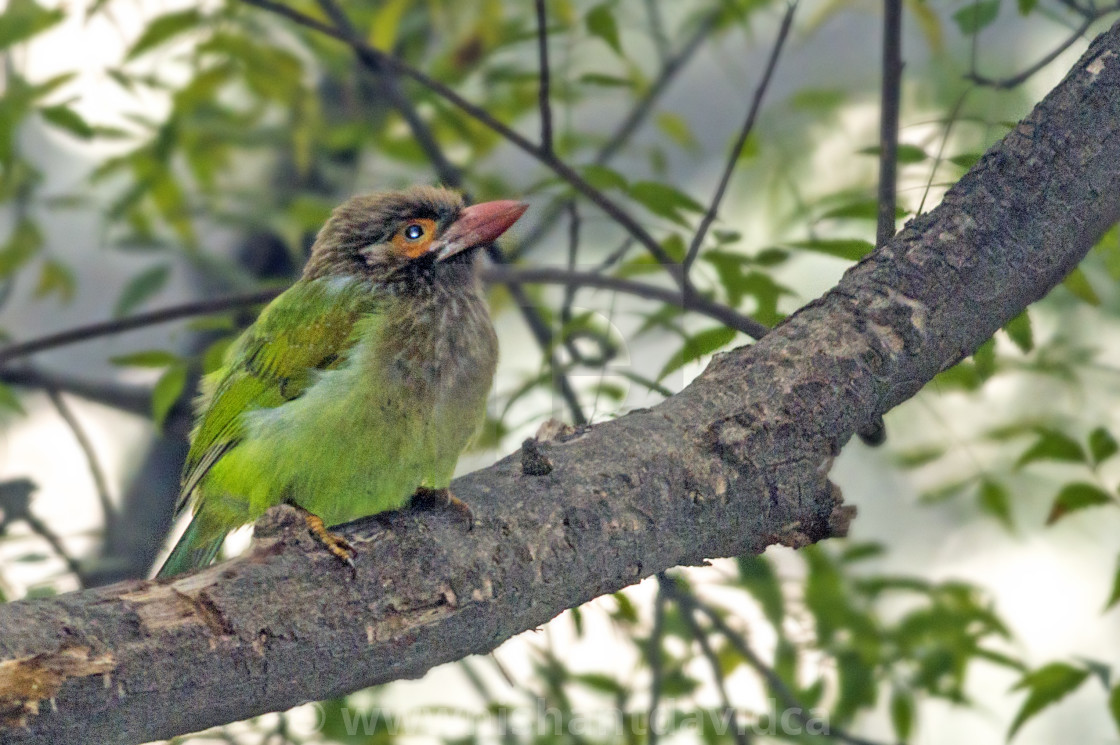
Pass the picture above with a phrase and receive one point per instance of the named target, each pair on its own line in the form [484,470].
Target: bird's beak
[478,225]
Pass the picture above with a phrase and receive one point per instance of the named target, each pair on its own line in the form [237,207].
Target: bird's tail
[197,548]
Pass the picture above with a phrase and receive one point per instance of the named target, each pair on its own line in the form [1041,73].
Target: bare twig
[448,174]
[544,75]
[549,160]
[15,504]
[544,337]
[688,615]
[626,128]
[657,30]
[744,133]
[773,680]
[1019,79]
[693,302]
[99,481]
[140,320]
[888,120]
[134,399]
[498,273]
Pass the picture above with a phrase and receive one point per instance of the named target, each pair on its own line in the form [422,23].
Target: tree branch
[735,462]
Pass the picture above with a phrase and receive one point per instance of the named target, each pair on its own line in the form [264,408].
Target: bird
[358,387]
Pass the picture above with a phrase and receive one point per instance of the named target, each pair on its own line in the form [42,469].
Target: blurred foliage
[260,126]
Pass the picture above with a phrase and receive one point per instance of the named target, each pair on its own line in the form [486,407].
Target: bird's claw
[426,498]
[333,542]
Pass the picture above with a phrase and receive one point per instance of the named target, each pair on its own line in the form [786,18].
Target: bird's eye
[414,232]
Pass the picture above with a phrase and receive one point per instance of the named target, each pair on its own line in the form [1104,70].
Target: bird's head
[420,233]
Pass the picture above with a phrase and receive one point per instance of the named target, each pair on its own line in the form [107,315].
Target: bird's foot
[426,499]
[333,542]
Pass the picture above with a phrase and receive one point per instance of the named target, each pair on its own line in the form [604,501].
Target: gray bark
[735,462]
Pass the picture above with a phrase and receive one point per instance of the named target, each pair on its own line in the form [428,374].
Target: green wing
[306,329]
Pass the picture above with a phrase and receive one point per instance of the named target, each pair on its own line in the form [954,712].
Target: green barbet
[360,385]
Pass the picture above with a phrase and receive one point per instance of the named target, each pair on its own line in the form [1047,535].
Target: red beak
[478,225]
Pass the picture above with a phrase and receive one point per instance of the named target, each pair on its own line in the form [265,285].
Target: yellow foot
[426,499]
[333,542]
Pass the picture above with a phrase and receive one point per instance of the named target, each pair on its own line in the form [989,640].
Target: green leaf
[697,346]
[676,129]
[54,276]
[25,242]
[386,23]
[664,200]
[605,81]
[902,713]
[995,501]
[1077,283]
[24,19]
[163,29]
[965,160]
[9,400]
[167,391]
[1026,6]
[626,610]
[906,153]
[1102,445]
[1114,596]
[602,178]
[1047,685]
[147,358]
[140,288]
[863,209]
[850,249]
[600,22]
[756,574]
[972,18]
[65,118]
[1075,497]
[1018,329]
[1053,445]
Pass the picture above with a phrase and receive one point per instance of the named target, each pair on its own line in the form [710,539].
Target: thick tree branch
[735,462]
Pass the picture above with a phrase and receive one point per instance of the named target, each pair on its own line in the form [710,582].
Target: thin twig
[448,174]
[43,531]
[140,320]
[99,481]
[1016,80]
[688,614]
[939,158]
[626,128]
[549,160]
[696,303]
[890,97]
[789,701]
[500,274]
[544,74]
[134,399]
[544,336]
[657,30]
[744,133]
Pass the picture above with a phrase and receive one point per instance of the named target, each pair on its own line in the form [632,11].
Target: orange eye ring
[413,240]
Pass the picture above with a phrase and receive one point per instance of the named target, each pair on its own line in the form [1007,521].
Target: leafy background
[154,153]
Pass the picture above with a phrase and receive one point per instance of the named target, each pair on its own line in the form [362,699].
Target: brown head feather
[358,237]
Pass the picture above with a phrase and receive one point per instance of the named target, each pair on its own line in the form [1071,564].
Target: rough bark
[735,462]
